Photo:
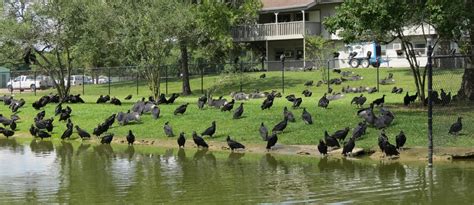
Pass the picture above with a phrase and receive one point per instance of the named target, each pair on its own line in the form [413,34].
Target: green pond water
[62,172]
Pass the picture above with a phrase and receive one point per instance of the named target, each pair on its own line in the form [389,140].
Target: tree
[383,22]
[454,21]
[317,49]
[144,36]
[45,35]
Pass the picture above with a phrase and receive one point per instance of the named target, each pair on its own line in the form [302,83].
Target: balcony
[275,31]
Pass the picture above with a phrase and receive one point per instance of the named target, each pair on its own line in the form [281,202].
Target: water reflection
[106,174]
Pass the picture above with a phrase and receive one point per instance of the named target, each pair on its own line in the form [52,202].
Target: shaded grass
[411,120]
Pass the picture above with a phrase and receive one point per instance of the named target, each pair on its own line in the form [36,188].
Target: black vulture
[238,112]
[64,116]
[199,141]
[155,112]
[267,103]
[322,148]
[82,133]
[263,132]
[234,144]
[13,125]
[308,83]
[128,97]
[58,109]
[42,134]
[348,147]
[181,140]
[341,134]
[400,139]
[202,101]
[280,126]
[288,114]
[115,101]
[359,101]
[168,129]
[307,117]
[228,106]
[107,139]
[263,76]
[130,137]
[297,102]
[389,149]
[210,130]
[382,140]
[323,102]
[291,98]
[181,109]
[406,99]
[172,98]
[7,133]
[67,133]
[330,141]
[33,130]
[456,127]
[379,101]
[359,130]
[272,140]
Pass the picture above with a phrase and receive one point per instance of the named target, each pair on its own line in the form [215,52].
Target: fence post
[378,78]
[109,78]
[241,74]
[329,67]
[34,77]
[166,79]
[202,80]
[282,59]
[83,78]
[137,81]
[430,107]
[11,83]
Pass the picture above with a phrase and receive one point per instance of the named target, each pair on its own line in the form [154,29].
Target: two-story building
[283,25]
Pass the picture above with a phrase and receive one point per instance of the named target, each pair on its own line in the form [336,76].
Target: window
[397,46]
[383,50]
[420,45]
[299,17]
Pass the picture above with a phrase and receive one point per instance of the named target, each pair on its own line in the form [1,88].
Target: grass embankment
[412,120]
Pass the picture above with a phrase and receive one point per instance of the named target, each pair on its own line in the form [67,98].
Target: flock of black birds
[42,127]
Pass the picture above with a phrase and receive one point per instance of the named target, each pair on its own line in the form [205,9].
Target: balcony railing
[275,31]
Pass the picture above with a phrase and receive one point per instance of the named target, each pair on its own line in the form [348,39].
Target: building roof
[277,5]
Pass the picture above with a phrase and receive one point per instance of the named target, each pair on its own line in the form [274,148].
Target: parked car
[78,80]
[103,79]
[27,82]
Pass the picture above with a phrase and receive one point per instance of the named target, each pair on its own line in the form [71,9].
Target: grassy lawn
[340,114]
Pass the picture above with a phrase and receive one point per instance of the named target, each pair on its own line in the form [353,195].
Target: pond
[63,172]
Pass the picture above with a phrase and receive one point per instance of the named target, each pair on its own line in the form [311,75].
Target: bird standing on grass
[168,129]
[323,102]
[199,141]
[181,109]
[306,117]
[263,132]
[456,127]
[210,130]
[234,144]
[400,140]
[239,111]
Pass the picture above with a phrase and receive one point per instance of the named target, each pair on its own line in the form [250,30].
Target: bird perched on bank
[379,101]
[381,140]
[7,133]
[181,109]
[234,144]
[82,133]
[341,134]
[280,126]
[272,140]
[130,137]
[359,101]
[107,139]
[42,134]
[268,102]
[13,125]
[456,127]
[199,141]
[33,130]
[210,130]
[323,102]
[330,141]
[288,114]
[322,148]
[128,97]
[168,130]
[239,111]
[348,147]
[400,140]
[181,140]
[306,116]
[263,132]
[359,130]
[67,133]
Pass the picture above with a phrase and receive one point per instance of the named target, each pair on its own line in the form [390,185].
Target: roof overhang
[286,6]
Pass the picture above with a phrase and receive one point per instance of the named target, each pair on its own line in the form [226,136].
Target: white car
[103,79]
[27,82]
[78,80]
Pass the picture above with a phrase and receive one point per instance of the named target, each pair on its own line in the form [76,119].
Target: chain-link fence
[208,76]
[450,84]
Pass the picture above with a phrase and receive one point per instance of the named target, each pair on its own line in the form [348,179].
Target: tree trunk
[185,69]
[467,85]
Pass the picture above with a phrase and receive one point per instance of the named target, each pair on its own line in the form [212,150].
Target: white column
[276,24]
[304,40]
